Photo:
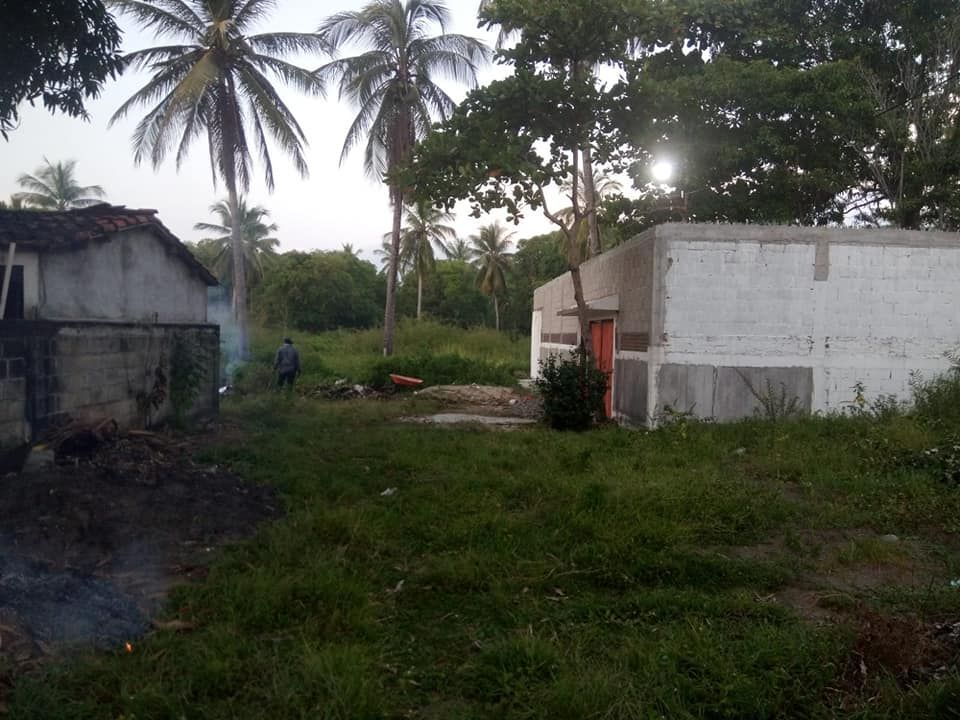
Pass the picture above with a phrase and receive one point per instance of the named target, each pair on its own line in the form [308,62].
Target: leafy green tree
[58,51]
[217,83]
[320,291]
[807,111]
[537,260]
[259,246]
[55,187]
[393,84]
[489,251]
[511,140]
[425,227]
[450,295]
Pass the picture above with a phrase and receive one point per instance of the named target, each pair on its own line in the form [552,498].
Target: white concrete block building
[703,318]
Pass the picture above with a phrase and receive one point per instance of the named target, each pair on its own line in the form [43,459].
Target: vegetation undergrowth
[535,574]
[435,352]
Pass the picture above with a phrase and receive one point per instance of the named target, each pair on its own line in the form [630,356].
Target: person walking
[287,363]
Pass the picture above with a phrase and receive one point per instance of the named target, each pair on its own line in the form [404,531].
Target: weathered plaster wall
[132,277]
[51,370]
[815,309]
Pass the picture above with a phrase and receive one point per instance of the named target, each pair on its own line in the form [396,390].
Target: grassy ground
[425,347]
[530,574]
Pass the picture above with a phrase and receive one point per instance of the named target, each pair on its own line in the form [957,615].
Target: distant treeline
[327,290]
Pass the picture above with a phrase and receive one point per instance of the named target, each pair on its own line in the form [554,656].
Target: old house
[716,319]
[104,315]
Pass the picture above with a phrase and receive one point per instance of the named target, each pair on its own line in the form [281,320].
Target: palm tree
[456,249]
[489,252]
[392,84]
[55,187]
[258,247]
[425,228]
[349,249]
[217,83]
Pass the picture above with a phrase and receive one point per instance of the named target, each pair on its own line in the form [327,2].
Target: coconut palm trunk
[390,308]
[496,312]
[419,293]
[239,273]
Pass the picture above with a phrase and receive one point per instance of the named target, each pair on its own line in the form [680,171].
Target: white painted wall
[747,296]
[131,277]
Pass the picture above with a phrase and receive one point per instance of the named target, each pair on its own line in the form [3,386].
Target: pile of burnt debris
[100,523]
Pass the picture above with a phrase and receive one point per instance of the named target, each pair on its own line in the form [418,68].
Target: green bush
[938,399]
[572,390]
[440,369]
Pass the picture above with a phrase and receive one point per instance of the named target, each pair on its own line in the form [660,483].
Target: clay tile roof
[63,230]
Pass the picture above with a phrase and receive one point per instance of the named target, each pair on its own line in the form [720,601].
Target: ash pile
[100,524]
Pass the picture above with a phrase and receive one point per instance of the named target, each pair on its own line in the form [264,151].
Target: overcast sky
[334,205]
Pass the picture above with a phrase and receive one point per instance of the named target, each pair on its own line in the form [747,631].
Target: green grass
[479,355]
[531,574]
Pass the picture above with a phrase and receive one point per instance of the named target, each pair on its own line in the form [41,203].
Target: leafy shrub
[572,390]
[938,399]
[443,369]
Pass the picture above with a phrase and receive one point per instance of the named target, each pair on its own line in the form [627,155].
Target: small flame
[128,647]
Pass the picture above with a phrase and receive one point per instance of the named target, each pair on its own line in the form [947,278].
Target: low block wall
[50,371]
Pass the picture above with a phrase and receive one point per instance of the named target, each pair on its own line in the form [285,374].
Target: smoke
[220,312]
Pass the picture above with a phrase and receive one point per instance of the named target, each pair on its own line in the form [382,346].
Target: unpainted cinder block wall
[806,313]
[53,371]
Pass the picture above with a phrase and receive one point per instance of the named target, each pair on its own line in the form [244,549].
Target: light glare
[662,171]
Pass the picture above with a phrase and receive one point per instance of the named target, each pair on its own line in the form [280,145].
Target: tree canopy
[58,51]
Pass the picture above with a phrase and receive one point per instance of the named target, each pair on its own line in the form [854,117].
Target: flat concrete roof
[718,232]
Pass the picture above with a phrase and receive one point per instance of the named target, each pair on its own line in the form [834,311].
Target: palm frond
[164,17]
[284,43]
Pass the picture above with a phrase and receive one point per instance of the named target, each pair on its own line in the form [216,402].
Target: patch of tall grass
[436,352]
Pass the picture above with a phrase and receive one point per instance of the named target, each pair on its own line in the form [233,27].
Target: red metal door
[601,335]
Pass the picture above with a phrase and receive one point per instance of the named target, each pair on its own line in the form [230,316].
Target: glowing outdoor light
[662,171]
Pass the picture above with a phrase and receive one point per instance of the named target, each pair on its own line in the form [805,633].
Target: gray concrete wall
[131,277]
[868,306]
[732,393]
[52,371]
[625,271]
[630,389]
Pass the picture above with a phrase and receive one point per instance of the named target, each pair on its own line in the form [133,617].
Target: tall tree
[425,227]
[456,249]
[489,249]
[807,111]
[259,247]
[60,51]
[218,83]
[393,84]
[55,187]
[513,139]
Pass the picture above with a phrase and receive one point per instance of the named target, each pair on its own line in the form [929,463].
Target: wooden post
[7,276]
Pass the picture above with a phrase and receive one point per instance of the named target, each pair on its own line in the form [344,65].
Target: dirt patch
[90,546]
[484,400]
[903,648]
[836,568]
